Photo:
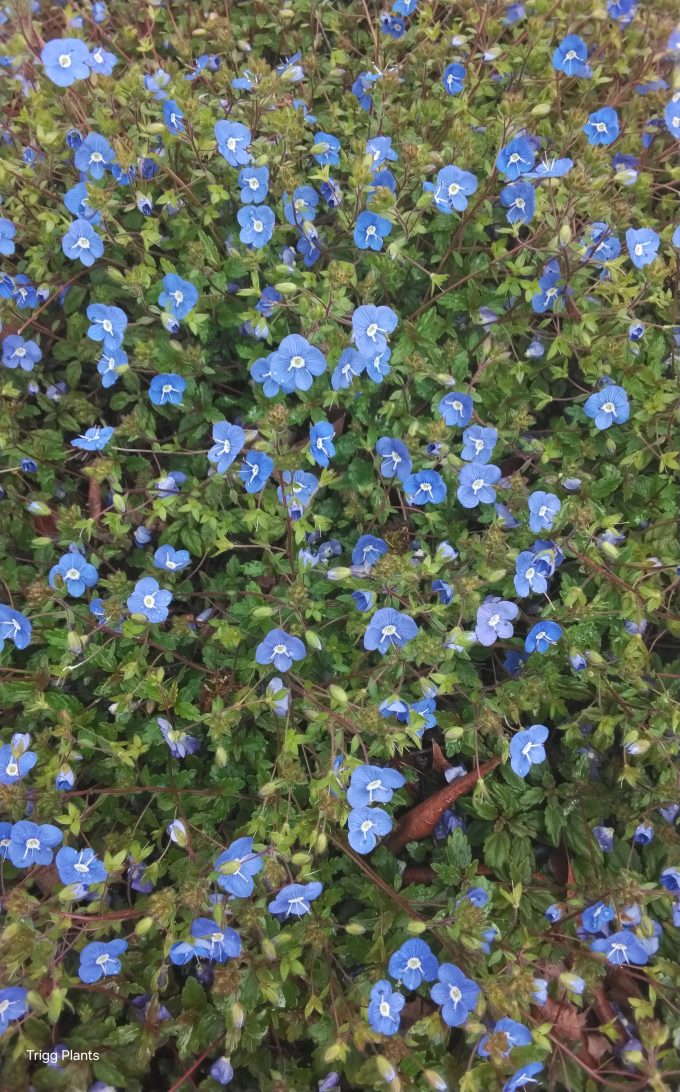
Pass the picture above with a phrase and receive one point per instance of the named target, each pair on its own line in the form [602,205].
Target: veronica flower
[295,899]
[79,866]
[453,78]
[457,994]
[373,784]
[366,827]
[74,573]
[384,1008]
[413,964]
[608,406]
[65,60]
[233,140]
[99,960]
[456,408]
[81,242]
[475,484]
[425,487]
[542,636]
[527,750]
[516,158]
[149,600]
[236,866]
[214,942]
[280,649]
[389,628]
[229,440]
[32,844]
[570,57]
[19,353]
[643,245]
[602,126]
[494,620]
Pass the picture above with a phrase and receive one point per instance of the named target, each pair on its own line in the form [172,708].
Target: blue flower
[596,918]
[373,784]
[413,964]
[66,60]
[150,600]
[65,778]
[75,573]
[81,242]
[443,590]
[257,225]
[77,202]
[388,629]
[363,600]
[456,994]
[520,201]
[604,836]
[384,1008]
[229,440]
[321,447]
[7,233]
[362,88]
[571,57]
[214,942]
[543,507]
[99,960]
[366,826]
[237,865]
[302,207]
[527,750]
[254,183]
[494,620]
[475,484]
[550,168]
[167,389]
[108,325]
[425,487]
[451,190]
[542,636]
[515,1034]
[377,366]
[179,742]
[31,844]
[551,289]
[13,1005]
[370,326]
[79,866]
[280,649]
[182,953]
[110,366]
[255,470]
[15,763]
[608,406]
[671,116]
[602,126]
[21,290]
[326,149]
[392,25]
[396,461]
[173,117]
[370,230]
[516,158]
[178,295]
[621,948]
[14,627]
[300,487]
[456,408]
[295,898]
[453,78]
[530,577]
[296,362]
[167,557]
[670,879]
[478,443]
[233,140]
[642,244]
[523,1077]
[94,156]
[102,62]
[18,353]
[222,1071]
[643,833]
[5,838]
[95,439]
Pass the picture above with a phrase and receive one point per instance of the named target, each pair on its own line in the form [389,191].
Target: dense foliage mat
[339,615]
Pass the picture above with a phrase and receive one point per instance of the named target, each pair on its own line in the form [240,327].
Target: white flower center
[11,769]
[149,601]
[107,326]
[297,362]
[384,1008]
[414,964]
[366,826]
[177,296]
[370,231]
[231,144]
[281,650]
[609,407]
[455,995]
[477,485]
[72,574]
[530,573]
[372,330]
[33,843]
[102,960]
[389,631]
[96,157]
[83,243]
[64,60]
[167,387]
[20,352]
[639,249]
[258,225]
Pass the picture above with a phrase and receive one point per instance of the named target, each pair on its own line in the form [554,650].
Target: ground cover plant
[338,588]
